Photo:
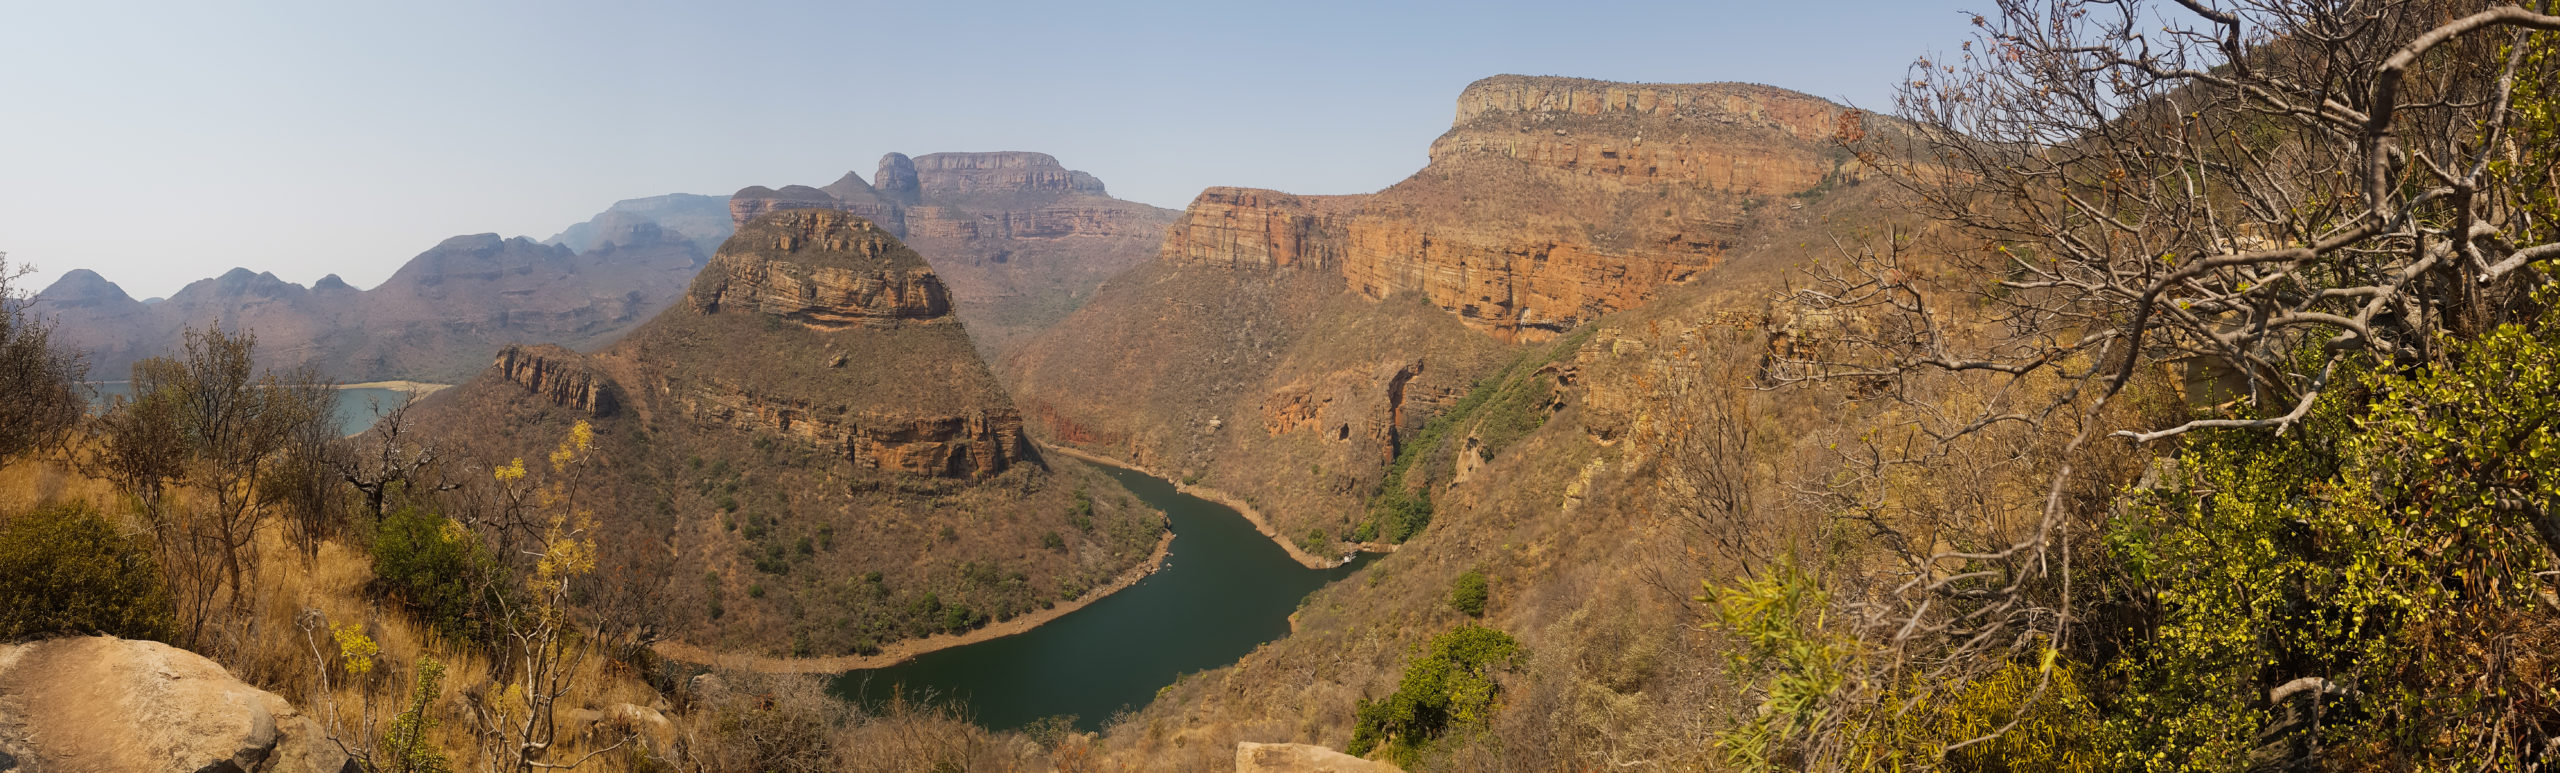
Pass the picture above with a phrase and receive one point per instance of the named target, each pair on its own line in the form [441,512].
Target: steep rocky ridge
[1020,239]
[1284,347]
[811,443]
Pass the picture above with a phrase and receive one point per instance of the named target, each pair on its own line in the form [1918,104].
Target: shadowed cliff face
[1020,239]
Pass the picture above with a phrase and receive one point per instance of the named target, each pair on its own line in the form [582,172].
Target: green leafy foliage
[1448,689]
[1786,650]
[65,569]
[1467,594]
[437,568]
[2394,546]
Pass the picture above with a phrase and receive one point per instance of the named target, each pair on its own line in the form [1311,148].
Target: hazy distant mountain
[437,319]
[703,219]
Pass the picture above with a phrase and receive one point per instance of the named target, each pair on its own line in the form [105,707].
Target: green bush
[64,569]
[1450,688]
[438,569]
[1468,593]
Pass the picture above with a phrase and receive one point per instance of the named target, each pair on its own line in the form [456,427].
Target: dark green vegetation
[1451,688]
[440,570]
[1467,594]
[1500,410]
[66,570]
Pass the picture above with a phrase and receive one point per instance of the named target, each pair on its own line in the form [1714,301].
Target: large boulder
[1301,758]
[98,703]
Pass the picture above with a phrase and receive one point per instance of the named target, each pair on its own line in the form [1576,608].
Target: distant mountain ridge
[1021,239]
[436,319]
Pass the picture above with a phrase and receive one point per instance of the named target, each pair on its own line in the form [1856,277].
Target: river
[1224,590]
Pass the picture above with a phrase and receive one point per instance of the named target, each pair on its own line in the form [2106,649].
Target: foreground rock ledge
[98,703]
[1301,758]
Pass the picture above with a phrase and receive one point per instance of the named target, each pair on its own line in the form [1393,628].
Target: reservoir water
[1224,590]
[357,408]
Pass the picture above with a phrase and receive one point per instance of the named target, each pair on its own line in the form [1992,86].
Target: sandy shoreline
[1260,524]
[905,649]
[419,388]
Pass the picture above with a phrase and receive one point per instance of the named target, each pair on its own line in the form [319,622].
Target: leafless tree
[385,460]
[2237,198]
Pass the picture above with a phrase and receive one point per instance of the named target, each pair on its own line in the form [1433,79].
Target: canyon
[1284,348]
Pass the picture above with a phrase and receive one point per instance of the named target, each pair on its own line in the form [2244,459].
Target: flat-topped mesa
[1255,228]
[561,376]
[823,268]
[964,174]
[1738,137]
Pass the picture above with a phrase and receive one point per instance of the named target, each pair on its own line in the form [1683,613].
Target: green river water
[1224,590]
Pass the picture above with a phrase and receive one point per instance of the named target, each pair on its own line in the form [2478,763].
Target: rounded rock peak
[897,174]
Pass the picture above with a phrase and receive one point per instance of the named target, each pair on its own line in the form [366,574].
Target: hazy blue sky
[161,143]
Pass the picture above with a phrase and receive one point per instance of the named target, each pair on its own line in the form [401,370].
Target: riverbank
[1236,503]
[906,649]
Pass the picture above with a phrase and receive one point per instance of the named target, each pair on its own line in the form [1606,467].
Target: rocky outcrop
[1302,758]
[976,444]
[103,704]
[859,284]
[898,179]
[1252,228]
[558,375]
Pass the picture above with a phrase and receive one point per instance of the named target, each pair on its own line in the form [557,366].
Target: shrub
[1467,594]
[1052,541]
[437,568]
[1451,688]
[64,569]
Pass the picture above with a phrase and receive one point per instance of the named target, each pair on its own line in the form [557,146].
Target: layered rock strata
[1550,201]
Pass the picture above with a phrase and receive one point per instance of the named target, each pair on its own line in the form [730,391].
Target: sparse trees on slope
[235,426]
